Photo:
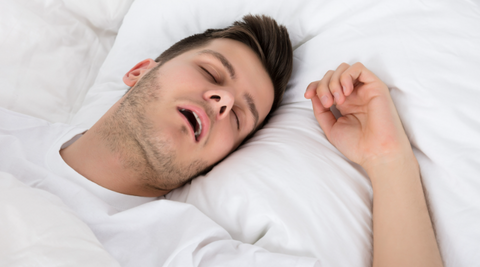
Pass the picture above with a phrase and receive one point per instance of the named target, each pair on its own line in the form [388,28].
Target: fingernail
[344,90]
[324,100]
[336,96]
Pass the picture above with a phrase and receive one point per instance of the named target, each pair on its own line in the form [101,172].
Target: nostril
[215,97]
[222,109]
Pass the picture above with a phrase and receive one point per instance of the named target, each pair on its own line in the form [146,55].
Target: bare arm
[371,134]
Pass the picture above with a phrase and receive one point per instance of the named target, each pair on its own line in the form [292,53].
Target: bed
[287,189]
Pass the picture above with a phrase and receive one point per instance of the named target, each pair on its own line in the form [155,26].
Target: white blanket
[37,229]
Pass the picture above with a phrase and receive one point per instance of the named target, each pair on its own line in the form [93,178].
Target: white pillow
[37,229]
[50,52]
[288,189]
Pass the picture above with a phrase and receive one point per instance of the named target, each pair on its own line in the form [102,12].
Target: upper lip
[198,114]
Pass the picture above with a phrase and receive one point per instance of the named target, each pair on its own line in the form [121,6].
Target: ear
[137,72]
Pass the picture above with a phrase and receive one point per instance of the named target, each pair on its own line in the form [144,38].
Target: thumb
[324,116]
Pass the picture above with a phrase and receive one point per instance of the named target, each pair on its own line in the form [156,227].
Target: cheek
[222,143]
[169,128]
[184,79]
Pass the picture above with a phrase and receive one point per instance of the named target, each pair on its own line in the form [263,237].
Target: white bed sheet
[51,52]
[287,189]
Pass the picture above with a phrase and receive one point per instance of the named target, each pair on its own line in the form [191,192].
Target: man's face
[195,109]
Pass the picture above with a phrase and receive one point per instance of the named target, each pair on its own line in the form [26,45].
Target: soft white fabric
[137,231]
[51,51]
[308,200]
[38,229]
[288,189]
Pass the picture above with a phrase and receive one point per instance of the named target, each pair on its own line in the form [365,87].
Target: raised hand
[370,127]
[370,133]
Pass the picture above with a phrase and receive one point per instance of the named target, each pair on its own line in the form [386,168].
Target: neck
[95,159]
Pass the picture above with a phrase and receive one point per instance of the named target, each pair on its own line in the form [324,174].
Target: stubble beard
[130,135]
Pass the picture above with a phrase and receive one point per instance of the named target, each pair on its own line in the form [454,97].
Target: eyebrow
[253,109]
[223,60]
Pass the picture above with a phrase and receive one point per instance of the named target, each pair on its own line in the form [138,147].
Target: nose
[221,102]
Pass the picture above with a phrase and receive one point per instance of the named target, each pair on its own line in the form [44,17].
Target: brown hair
[263,35]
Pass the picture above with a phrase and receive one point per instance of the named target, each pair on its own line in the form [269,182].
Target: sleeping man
[185,112]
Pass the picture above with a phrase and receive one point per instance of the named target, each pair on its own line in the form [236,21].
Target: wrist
[391,165]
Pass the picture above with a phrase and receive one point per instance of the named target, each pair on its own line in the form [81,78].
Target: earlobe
[137,72]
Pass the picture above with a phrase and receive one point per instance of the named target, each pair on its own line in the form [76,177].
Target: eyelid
[211,75]
[238,122]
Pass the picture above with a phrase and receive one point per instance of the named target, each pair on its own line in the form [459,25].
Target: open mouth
[194,120]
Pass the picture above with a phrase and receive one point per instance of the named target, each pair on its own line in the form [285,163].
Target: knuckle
[344,77]
[359,64]
[334,85]
[328,73]
[324,81]
[311,85]
[321,89]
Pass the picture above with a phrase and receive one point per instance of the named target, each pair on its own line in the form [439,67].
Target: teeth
[199,130]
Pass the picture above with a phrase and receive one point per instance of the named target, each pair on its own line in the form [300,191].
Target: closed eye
[238,123]
[213,77]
